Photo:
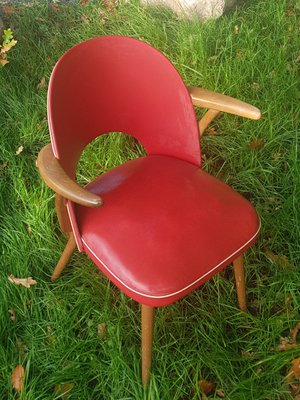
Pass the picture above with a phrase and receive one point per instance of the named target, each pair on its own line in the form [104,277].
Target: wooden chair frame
[66,188]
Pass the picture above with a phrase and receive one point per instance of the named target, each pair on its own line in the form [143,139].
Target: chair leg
[239,273]
[147,341]
[65,257]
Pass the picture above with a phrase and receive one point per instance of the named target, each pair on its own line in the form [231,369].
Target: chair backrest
[119,84]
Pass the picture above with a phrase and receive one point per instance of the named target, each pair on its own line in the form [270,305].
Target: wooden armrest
[216,101]
[56,178]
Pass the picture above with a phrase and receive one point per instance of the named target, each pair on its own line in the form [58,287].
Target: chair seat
[166,227]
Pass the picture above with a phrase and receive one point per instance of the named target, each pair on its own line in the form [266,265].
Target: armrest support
[56,178]
[219,102]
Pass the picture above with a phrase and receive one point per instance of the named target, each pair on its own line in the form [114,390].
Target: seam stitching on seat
[181,290]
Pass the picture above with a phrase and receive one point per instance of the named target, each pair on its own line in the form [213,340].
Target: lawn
[80,333]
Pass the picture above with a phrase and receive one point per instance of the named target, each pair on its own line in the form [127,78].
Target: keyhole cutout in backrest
[106,152]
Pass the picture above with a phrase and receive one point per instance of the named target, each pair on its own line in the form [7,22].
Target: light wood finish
[56,178]
[239,273]
[65,257]
[147,341]
[216,101]
[208,117]
[62,214]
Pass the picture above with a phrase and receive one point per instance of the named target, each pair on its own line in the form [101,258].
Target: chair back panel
[119,84]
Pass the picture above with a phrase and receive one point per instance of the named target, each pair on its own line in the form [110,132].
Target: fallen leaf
[64,389]
[55,7]
[294,370]
[294,333]
[236,29]
[84,2]
[220,393]
[110,5]
[3,62]
[42,84]
[211,131]
[287,346]
[17,378]
[102,330]
[206,386]
[12,314]
[248,354]
[7,9]
[280,259]
[256,144]
[85,20]
[19,150]
[26,282]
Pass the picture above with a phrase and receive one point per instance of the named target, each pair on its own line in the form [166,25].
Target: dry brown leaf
[7,9]
[236,29]
[206,386]
[294,371]
[248,354]
[281,259]
[64,389]
[55,7]
[3,62]
[3,165]
[17,378]
[19,150]
[110,5]
[26,282]
[84,2]
[42,84]
[102,330]
[294,332]
[220,393]
[211,131]
[287,346]
[12,314]
[85,20]
[256,144]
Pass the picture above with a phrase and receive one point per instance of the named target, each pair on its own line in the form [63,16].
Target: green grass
[204,335]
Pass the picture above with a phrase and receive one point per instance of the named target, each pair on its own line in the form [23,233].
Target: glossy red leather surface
[119,84]
[166,227]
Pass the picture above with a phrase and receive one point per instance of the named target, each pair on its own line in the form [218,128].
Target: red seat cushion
[165,228]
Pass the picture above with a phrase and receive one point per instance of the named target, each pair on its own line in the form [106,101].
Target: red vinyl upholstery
[166,226]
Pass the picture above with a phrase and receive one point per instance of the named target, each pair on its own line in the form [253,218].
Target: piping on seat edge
[178,291]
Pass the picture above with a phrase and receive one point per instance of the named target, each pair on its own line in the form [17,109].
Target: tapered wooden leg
[147,341]
[65,257]
[239,273]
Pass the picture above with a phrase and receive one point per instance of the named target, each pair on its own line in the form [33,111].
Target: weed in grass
[54,334]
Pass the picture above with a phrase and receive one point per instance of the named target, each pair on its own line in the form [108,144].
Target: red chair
[158,226]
